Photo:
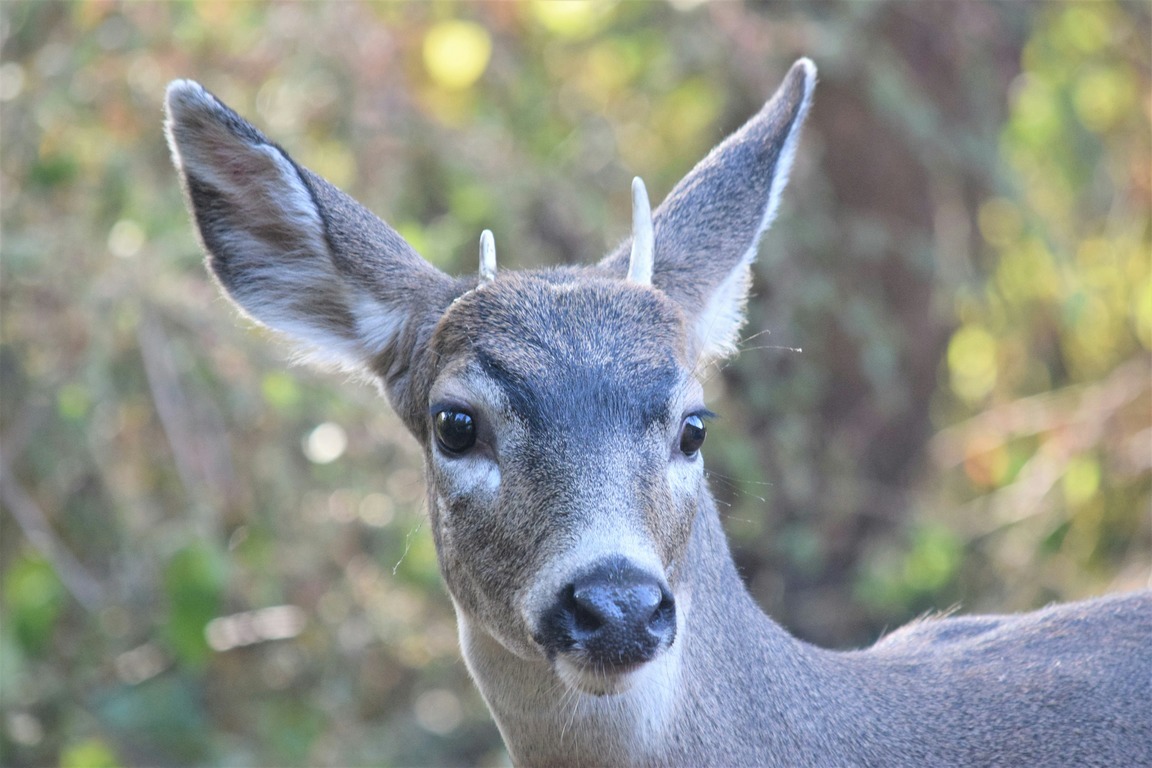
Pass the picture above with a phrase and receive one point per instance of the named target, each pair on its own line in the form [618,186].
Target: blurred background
[208,557]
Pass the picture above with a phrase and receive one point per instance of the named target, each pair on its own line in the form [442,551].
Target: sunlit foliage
[1050,361]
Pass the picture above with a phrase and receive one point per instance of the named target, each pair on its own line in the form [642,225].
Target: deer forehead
[562,345]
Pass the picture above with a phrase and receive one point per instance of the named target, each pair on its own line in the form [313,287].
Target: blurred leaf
[935,555]
[1081,480]
[280,390]
[194,581]
[164,714]
[293,726]
[14,664]
[54,170]
[930,563]
[34,598]
[92,753]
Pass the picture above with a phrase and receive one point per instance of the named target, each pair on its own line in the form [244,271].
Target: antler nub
[643,239]
[487,257]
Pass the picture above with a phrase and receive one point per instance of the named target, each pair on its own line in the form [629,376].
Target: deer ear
[292,251]
[708,229]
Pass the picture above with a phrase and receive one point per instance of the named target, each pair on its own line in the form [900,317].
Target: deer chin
[598,680]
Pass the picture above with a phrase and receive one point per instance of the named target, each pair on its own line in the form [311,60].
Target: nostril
[587,616]
[662,622]
[664,612]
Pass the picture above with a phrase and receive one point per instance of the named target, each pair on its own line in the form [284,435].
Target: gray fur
[578,382]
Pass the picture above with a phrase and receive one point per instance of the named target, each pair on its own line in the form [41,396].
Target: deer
[561,418]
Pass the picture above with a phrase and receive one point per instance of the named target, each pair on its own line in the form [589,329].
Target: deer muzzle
[611,619]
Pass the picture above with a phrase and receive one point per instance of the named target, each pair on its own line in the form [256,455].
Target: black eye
[692,434]
[455,430]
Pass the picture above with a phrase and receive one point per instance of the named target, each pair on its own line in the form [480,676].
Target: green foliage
[914,574]
[194,579]
[162,715]
[1066,237]
[207,558]
[34,599]
[92,753]
[294,726]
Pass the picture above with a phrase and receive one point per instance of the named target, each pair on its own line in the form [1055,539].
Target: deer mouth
[598,680]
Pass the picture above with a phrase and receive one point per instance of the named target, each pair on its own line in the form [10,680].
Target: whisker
[733,480]
[407,544]
[737,486]
[743,342]
[782,347]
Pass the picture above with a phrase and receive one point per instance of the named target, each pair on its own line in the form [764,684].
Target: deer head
[559,410]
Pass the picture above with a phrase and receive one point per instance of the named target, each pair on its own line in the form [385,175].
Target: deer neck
[678,702]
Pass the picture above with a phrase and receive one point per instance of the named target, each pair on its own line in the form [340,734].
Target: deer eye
[692,433]
[455,430]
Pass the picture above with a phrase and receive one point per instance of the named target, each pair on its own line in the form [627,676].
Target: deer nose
[614,615]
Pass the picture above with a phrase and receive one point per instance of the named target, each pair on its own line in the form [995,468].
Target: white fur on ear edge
[266,230]
[718,325]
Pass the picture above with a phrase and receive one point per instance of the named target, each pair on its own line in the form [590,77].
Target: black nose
[613,615]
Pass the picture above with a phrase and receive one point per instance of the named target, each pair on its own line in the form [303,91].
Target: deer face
[558,411]
[558,460]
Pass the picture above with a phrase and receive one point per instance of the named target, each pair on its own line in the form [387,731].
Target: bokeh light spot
[571,18]
[1081,480]
[1000,221]
[125,239]
[377,510]
[456,53]
[1102,96]
[325,443]
[972,363]
[11,80]
[438,711]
